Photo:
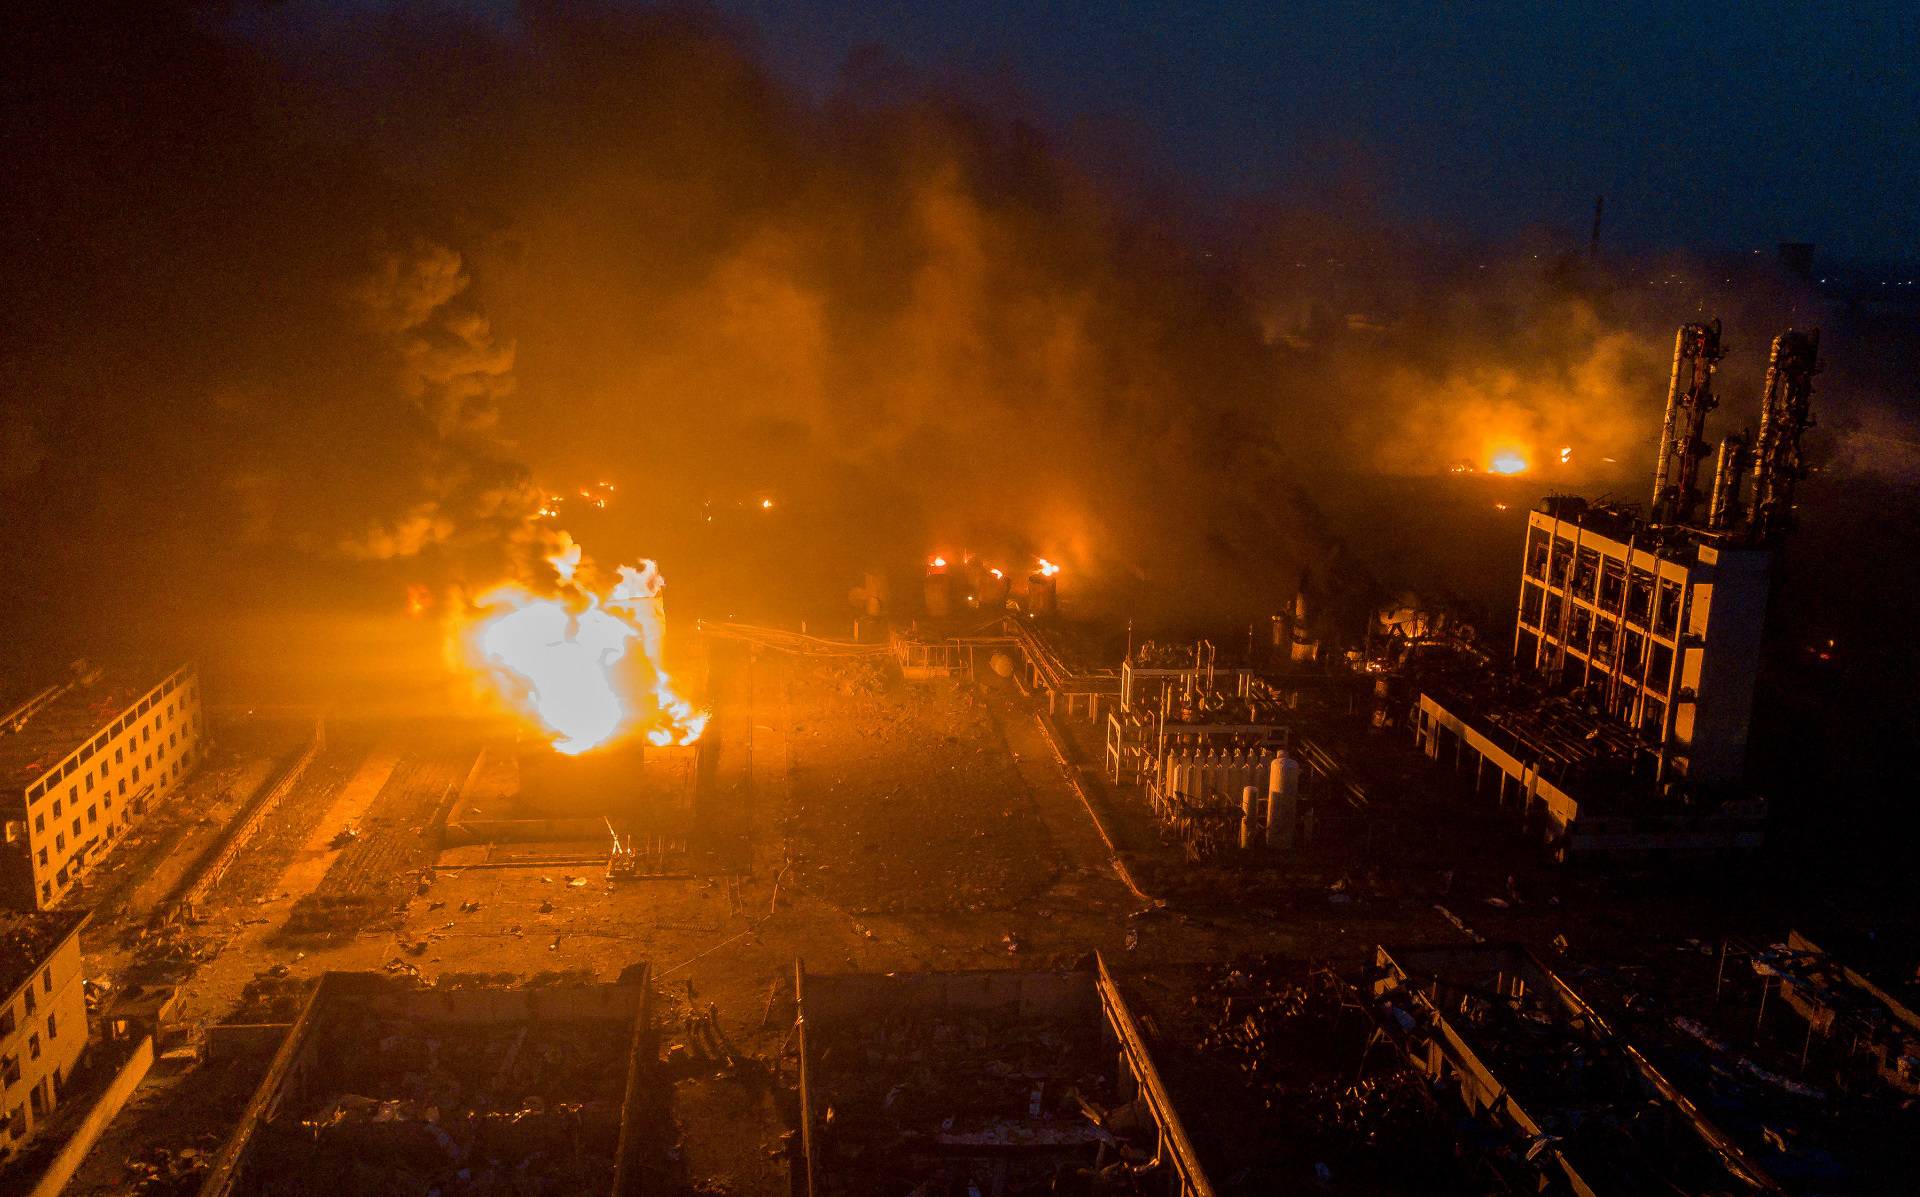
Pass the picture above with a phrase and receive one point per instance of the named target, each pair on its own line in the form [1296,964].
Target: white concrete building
[80,762]
[1662,629]
[43,1019]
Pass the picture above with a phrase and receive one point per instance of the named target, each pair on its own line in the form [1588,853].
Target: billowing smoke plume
[452,373]
[342,292]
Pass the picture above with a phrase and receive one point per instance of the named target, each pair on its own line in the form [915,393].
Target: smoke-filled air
[464,287]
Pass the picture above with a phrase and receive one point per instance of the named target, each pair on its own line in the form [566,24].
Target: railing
[1176,1149]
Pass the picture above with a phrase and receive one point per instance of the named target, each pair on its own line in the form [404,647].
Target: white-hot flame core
[559,658]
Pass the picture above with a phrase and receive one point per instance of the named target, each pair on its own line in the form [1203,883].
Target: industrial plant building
[80,762]
[43,1019]
[1637,640]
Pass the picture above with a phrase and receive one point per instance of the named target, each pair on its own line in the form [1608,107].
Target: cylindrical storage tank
[993,587]
[1249,804]
[873,592]
[1283,795]
[1043,593]
[937,590]
[1186,778]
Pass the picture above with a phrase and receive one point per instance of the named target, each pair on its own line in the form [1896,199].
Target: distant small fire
[565,660]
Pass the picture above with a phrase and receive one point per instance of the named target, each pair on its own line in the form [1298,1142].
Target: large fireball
[565,660]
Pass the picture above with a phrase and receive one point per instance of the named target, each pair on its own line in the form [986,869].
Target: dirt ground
[872,826]
[908,800]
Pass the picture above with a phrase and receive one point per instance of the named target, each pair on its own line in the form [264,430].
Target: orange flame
[558,658]
[1048,568]
[1507,462]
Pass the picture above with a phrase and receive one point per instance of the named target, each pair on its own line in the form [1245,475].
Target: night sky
[1717,127]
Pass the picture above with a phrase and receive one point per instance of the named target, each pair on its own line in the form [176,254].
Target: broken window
[1538,550]
[1555,606]
[1531,597]
[1660,666]
[1613,584]
[1562,558]
[1603,632]
[1586,573]
[1579,624]
[1640,598]
[1667,617]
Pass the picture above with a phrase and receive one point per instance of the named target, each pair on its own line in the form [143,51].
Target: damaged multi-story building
[80,761]
[43,1018]
[1637,640]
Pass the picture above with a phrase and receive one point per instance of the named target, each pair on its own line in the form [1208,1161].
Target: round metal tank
[937,591]
[1043,596]
[992,588]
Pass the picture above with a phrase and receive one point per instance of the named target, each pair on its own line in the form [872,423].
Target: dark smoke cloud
[339,290]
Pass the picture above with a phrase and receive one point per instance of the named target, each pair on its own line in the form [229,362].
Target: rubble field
[413,1106]
[915,1099]
[907,801]
[1284,1087]
[377,872]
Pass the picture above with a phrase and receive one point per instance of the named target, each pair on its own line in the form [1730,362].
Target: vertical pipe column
[1666,425]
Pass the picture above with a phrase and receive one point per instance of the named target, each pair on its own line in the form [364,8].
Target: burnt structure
[81,762]
[1000,1080]
[378,1084]
[1637,636]
[1523,1052]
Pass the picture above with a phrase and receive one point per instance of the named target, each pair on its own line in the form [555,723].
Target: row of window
[1635,595]
[163,712]
[10,1061]
[167,775]
[1637,707]
[73,792]
[1587,630]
